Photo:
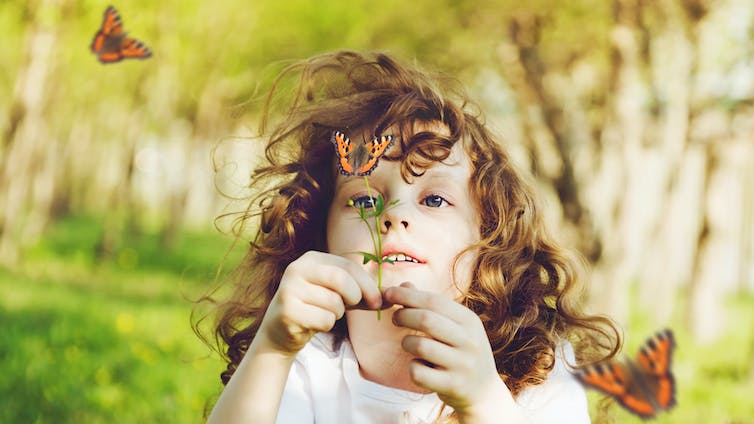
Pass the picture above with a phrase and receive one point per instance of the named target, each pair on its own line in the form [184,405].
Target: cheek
[346,233]
[463,272]
[335,232]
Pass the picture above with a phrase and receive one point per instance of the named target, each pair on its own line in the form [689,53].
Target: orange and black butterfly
[359,158]
[111,44]
[645,386]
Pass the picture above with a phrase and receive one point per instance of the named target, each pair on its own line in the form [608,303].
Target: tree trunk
[28,165]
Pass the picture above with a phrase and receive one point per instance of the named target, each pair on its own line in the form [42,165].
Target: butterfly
[645,386]
[359,158]
[111,44]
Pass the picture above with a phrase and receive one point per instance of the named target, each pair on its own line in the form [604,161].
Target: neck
[377,345]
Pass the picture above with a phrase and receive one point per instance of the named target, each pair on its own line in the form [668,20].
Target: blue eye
[434,201]
[363,201]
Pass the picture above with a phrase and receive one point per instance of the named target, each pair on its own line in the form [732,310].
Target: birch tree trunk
[28,164]
[658,182]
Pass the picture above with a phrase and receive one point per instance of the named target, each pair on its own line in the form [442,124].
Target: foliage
[88,340]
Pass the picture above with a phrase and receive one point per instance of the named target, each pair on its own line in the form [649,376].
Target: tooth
[392,258]
[401,257]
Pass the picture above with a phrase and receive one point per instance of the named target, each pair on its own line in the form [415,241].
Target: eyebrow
[444,174]
[432,174]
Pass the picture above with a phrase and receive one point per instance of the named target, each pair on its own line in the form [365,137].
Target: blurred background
[634,117]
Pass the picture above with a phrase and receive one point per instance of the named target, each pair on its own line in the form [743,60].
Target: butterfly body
[111,44]
[359,158]
[645,386]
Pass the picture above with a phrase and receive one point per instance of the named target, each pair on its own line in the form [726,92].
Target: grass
[714,382]
[109,340]
[87,340]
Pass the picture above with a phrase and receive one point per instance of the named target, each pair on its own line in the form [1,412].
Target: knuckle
[434,303]
[285,293]
[309,255]
[337,277]
[328,322]
[305,260]
[287,308]
[353,268]
[415,371]
[294,267]
[336,304]
[422,346]
[425,322]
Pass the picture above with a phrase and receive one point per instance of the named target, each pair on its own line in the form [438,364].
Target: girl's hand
[314,292]
[453,355]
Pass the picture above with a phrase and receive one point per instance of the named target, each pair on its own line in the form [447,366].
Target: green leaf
[370,257]
[371,214]
[393,202]
[380,206]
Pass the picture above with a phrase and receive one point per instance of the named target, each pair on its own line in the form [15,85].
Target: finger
[336,279]
[410,297]
[312,317]
[438,380]
[433,324]
[371,295]
[323,298]
[364,306]
[343,276]
[437,354]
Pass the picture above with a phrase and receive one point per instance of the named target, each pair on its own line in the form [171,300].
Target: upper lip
[395,249]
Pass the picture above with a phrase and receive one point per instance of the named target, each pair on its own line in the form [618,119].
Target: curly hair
[525,288]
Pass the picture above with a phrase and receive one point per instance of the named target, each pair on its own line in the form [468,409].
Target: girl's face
[433,221]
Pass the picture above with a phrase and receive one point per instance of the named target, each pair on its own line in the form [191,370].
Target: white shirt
[325,386]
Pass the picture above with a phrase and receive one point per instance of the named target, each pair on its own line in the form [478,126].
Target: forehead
[456,167]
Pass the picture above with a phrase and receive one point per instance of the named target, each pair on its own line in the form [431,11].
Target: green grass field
[88,341]
[106,341]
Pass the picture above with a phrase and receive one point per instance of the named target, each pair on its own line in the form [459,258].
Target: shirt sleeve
[296,404]
[561,398]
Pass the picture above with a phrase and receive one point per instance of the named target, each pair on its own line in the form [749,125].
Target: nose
[388,223]
[394,215]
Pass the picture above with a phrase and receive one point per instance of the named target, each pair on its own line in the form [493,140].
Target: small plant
[361,159]
[375,212]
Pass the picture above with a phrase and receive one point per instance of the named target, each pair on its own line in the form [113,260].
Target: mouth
[400,257]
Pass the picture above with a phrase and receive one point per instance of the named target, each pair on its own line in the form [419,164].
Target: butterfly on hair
[111,44]
[359,158]
[645,386]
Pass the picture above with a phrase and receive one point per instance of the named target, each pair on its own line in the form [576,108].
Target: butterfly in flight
[111,44]
[359,158]
[645,386]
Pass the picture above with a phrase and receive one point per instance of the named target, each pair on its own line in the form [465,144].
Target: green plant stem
[377,244]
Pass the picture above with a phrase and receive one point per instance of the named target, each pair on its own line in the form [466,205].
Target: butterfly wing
[343,149]
[616,380]
[643,387]
[653,365]
[377,148]
[135,49]
[110,44]
[112,27]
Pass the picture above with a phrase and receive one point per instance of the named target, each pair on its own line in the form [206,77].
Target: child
[478,304]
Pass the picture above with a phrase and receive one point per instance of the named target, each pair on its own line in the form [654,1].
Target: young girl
[478,305]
